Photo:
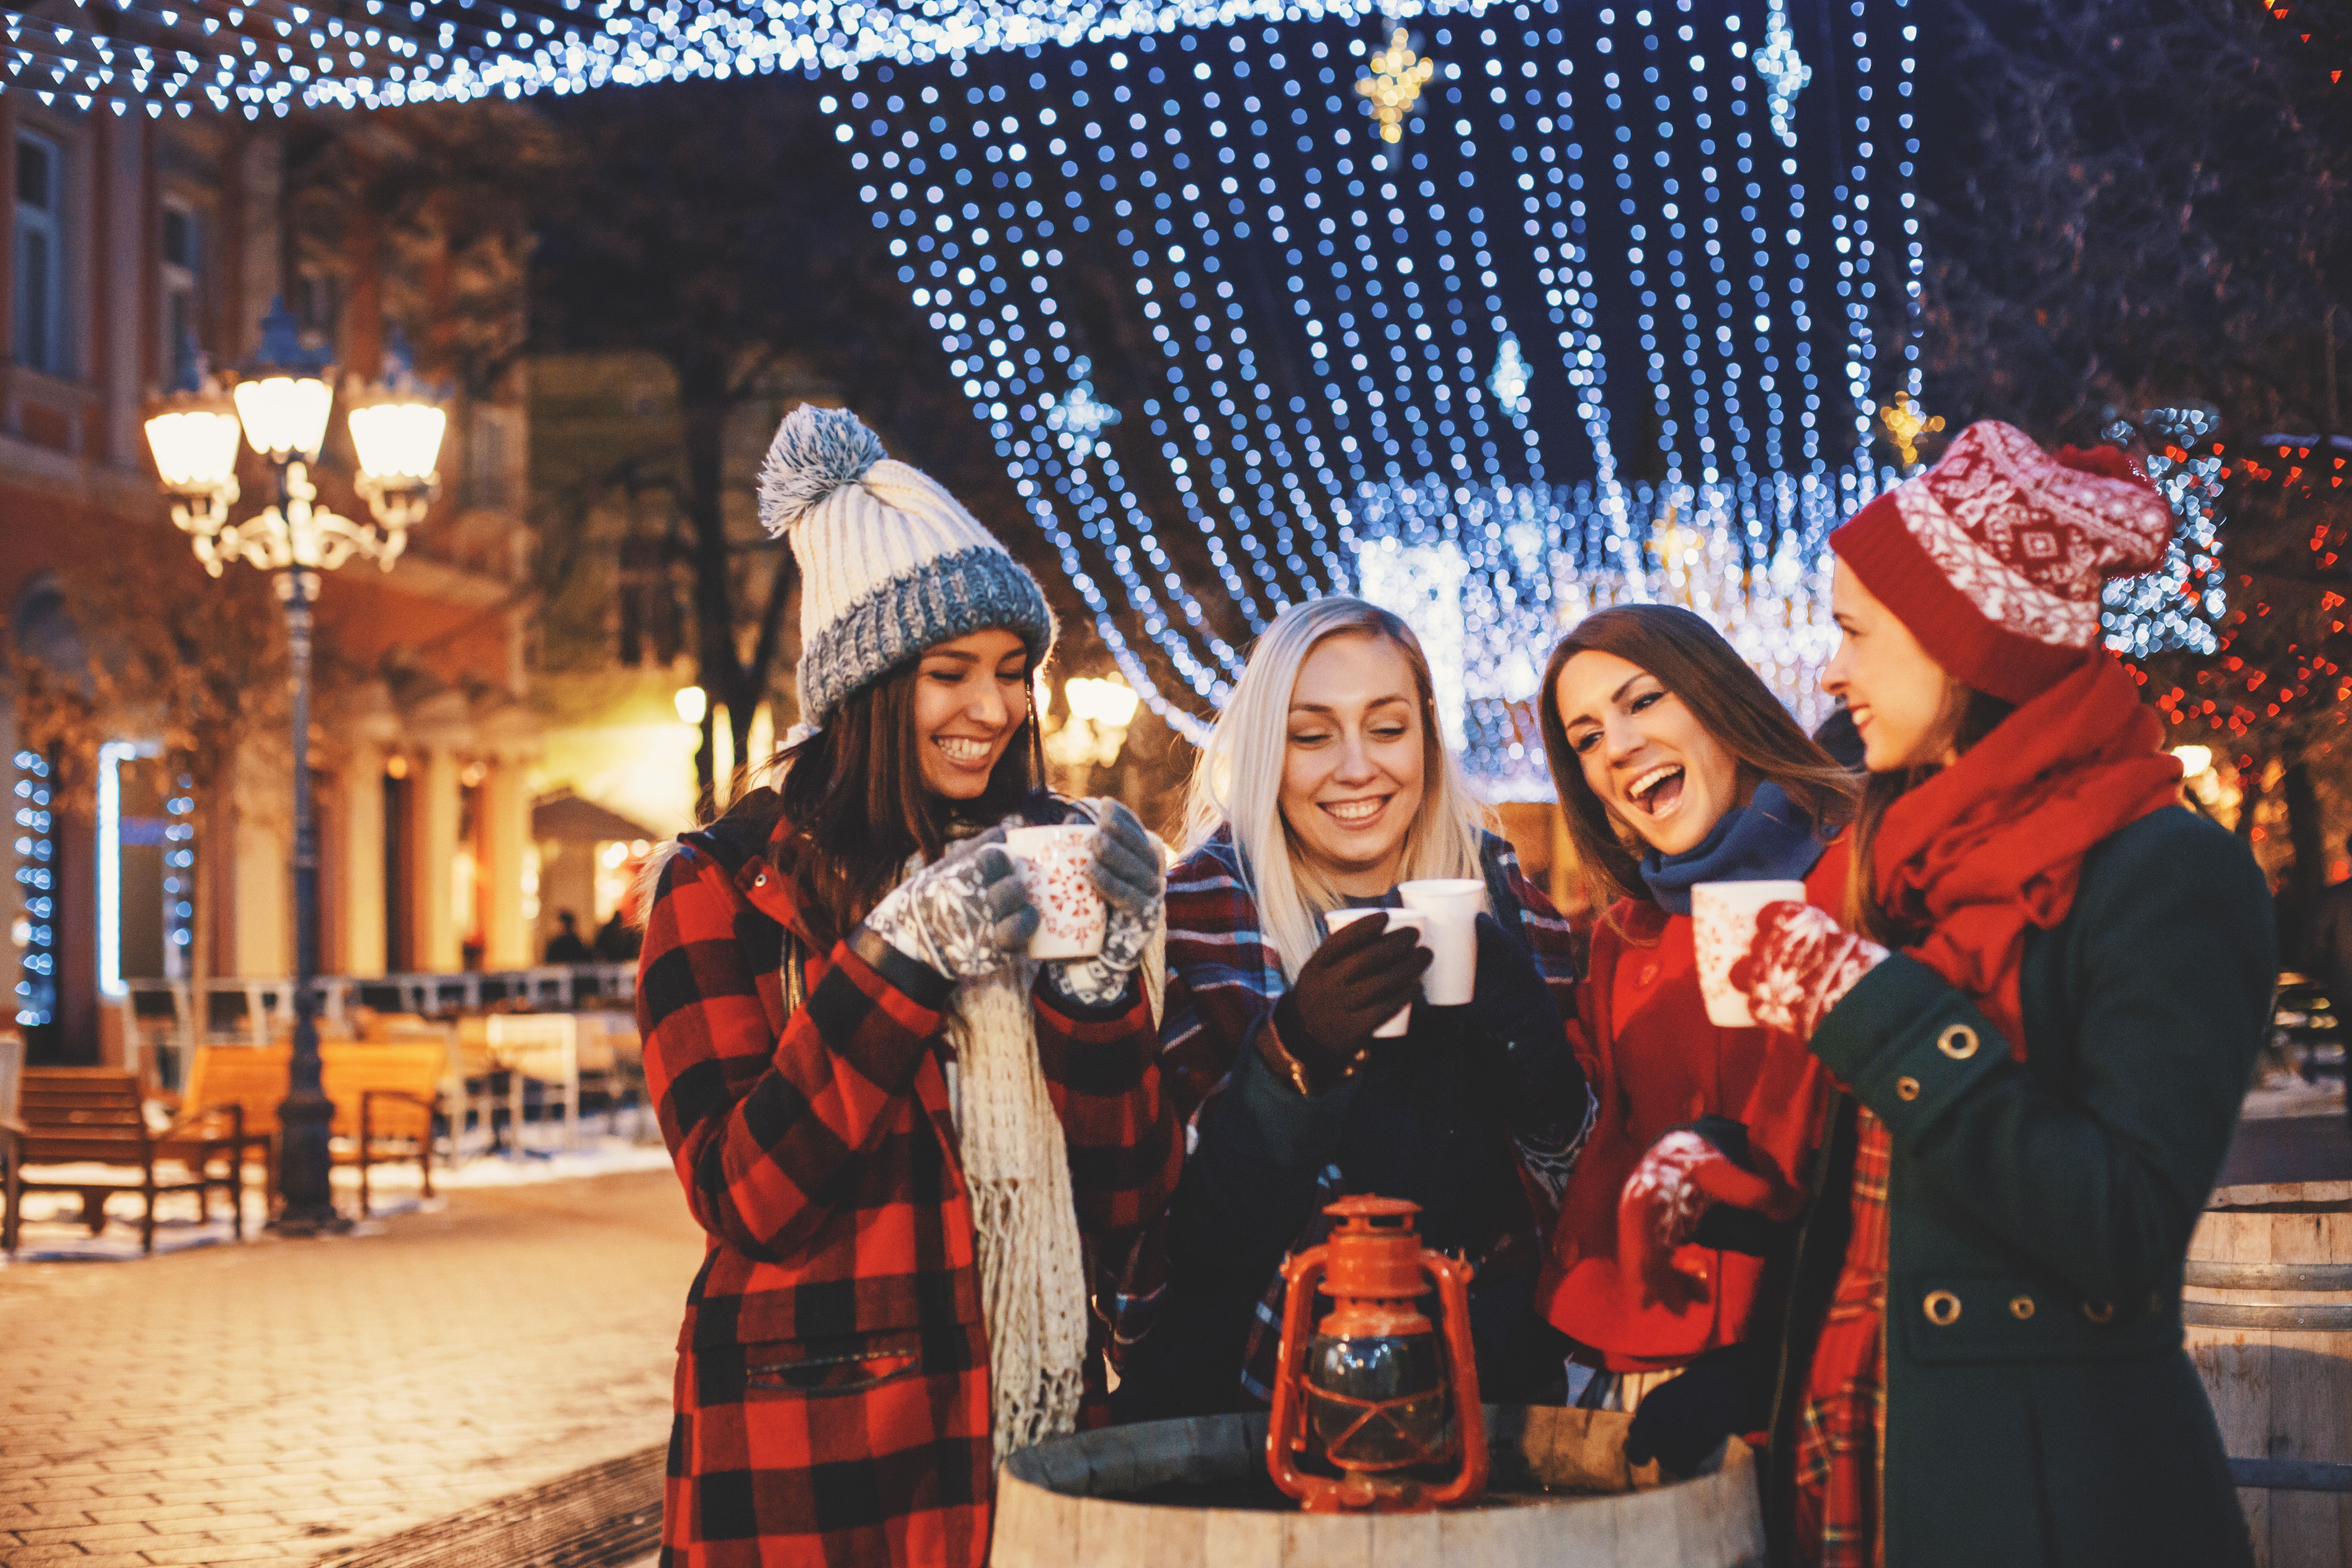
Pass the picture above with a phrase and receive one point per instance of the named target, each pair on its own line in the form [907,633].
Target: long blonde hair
[1238,781]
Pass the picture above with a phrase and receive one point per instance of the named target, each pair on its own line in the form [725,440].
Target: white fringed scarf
[1016,1165]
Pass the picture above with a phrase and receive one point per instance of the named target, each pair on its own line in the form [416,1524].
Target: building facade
[135,240]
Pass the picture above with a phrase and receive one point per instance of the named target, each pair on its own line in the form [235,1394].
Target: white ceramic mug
[1399,920]
[1453,905]
[1723,928]
[1057,869]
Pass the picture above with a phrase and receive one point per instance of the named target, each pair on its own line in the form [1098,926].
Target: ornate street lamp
[281,402]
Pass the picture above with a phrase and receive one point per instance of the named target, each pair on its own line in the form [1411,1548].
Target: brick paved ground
[274,1402]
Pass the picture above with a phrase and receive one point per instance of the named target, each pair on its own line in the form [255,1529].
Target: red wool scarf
[1986,850]
[1992,847]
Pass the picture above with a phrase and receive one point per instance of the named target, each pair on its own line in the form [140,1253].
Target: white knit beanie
[890,563]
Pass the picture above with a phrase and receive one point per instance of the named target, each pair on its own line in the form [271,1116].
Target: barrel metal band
[2279,1317]
[2292,1474]
[2212,1276]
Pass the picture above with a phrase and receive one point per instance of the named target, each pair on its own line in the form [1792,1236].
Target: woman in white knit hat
[902,1137]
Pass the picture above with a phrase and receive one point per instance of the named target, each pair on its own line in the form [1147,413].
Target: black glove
[1350,985]
[1723,1393]
[1514,1025]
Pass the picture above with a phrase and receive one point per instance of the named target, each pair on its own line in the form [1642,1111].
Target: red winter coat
[832,1400]
[1656,1062]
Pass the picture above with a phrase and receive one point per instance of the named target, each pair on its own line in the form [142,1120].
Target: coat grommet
[1906,1088]
[2099,1311]
[1958,1042]
[1943,1308]
[2021,1308]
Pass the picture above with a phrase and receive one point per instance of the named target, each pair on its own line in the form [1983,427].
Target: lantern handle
[1286,1426]
[1452,1278]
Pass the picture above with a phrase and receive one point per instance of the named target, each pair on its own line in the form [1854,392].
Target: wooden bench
[93,1116]
[386,1097]
[11,1132]
[242,1084]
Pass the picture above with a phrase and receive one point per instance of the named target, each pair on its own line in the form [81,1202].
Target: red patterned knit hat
[1995,556]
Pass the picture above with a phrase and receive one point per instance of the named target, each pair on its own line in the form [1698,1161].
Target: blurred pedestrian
[617,942]
[902,1138]
[565,946]
[2330,944]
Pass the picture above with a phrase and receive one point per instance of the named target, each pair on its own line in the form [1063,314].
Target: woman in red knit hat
[1675,765]
[2045,1007]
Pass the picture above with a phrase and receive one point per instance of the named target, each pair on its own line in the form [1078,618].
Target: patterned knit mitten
[1656,1213]
[1802,964]
[1685,1172]
[965,914]
[1128,874]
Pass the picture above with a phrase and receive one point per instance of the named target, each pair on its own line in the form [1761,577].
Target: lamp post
[281,403]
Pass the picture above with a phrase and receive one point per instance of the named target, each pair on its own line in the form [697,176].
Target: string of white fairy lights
[267,57]
[1339,387]
[1343,288]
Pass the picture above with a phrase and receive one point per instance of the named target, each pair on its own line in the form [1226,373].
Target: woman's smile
[1359,812]
[967,752]
[1657,790]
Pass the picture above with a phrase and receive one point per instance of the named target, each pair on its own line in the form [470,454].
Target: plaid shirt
[1841,1421]
[818,1152]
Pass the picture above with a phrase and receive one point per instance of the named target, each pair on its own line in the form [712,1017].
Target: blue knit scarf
[1767,839]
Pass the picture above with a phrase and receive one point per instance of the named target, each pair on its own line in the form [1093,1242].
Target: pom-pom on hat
[1995,557]
[890,563]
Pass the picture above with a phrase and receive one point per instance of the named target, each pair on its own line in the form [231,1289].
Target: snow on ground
[2290,1094]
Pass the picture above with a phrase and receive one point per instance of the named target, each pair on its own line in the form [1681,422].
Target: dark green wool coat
[2052,1419]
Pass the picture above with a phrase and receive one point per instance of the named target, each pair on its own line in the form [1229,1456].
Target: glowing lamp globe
[284,395]
[195,447]
[285,415]
[692,703]
[194,433]
[399,440]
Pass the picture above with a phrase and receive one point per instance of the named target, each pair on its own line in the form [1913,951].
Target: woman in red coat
[903,1138]
[1676,766]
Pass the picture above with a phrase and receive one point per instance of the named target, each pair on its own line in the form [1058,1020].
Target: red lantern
[1383,1393]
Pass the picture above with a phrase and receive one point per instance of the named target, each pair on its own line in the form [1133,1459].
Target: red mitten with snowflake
[1663,1202]
[1800,965]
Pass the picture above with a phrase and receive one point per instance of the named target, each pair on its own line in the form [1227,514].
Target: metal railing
[164,1017]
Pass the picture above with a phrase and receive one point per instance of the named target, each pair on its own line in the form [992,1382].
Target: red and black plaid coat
[832,1402]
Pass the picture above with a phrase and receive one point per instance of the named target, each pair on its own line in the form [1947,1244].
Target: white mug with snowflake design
[1057,869]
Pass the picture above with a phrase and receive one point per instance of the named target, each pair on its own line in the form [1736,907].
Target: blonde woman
[1324,786]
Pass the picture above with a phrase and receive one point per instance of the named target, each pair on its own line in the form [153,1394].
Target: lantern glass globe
[285,415]
[399,440]
[693,702]
[195,448]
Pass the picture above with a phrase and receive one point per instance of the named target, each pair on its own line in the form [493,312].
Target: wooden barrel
[1060,1502]
[2269,1314]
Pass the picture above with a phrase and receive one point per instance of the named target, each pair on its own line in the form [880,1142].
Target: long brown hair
[855,796]
[1691,659]
[1968,717]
